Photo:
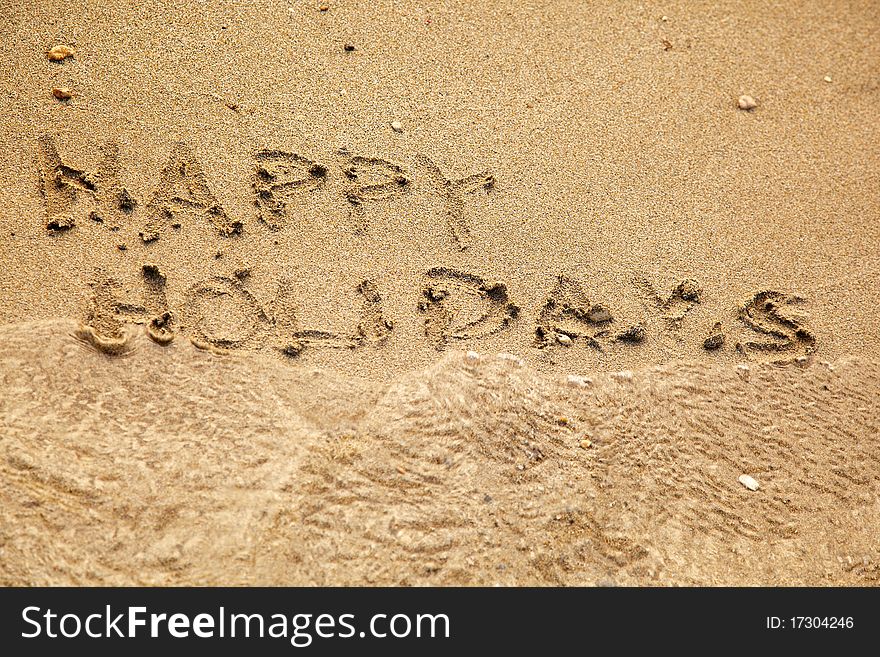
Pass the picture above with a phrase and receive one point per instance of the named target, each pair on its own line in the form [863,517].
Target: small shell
[748,482]
[397,126]
[62,93]
[563,339]
[58,53]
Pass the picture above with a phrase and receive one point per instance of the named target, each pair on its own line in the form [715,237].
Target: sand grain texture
[172,465]
[243,262]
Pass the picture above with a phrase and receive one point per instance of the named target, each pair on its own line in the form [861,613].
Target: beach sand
[389,293]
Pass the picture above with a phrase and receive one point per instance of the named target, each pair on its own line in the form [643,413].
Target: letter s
[343,622]
[24,616]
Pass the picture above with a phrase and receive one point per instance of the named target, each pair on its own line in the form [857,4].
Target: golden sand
[247,249]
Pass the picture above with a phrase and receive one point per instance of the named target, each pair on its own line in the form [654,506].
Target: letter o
[408,625]
[78,625]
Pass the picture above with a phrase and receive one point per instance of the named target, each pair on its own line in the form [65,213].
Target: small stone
[348,47]
[748,482]
[324,6]
[62,93]
[401,470]
[827,78]
[397,126]
[563,339]
[472,356]
[59,53]
[586,443]
[746,103]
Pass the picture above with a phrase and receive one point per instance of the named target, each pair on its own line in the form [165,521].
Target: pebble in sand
[746,103]
[59,53]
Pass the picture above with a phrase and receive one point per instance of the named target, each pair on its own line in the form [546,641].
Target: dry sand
[242,263]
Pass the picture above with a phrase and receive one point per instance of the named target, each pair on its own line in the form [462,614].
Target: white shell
[748,482]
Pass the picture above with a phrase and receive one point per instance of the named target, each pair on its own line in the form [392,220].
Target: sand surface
[174,465]
[245,247]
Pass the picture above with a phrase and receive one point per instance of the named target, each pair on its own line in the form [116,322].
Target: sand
[243,265]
